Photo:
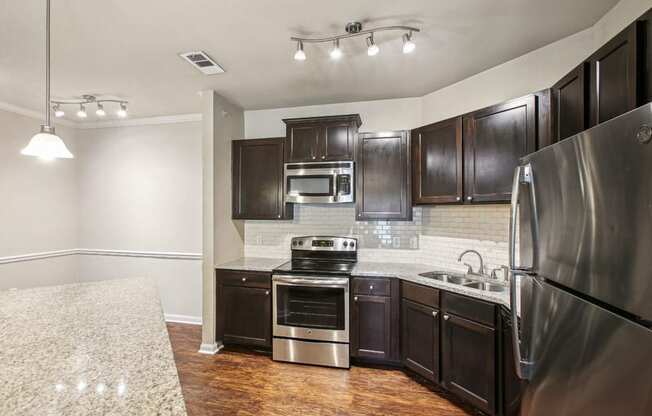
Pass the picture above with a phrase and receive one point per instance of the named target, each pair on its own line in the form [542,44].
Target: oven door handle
[310,282]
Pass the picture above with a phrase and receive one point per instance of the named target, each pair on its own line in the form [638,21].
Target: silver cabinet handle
[314,157]
[371,287]
[446,317]
[434,313]
[279,215]
[267,293]
[323,157]
[469,198]
[244,279]
[355,298]
[458,199]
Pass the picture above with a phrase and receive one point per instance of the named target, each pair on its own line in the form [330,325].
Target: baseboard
[210,349]
[183,319]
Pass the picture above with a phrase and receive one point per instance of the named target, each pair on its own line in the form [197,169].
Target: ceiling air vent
[203,62]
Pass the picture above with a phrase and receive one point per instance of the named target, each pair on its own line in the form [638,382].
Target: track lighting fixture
[299,55]
[336,52]
[372,48]
[354,29]
[82,111]
[100,110]
[89,99]
[408,44]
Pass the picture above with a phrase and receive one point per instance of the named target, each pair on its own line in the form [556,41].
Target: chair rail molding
[174,255]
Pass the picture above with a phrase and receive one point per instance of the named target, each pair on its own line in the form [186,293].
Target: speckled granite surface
[97,348]
[410,272]
[253,264]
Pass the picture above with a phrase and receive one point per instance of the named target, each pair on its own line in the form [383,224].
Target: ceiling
[129,49]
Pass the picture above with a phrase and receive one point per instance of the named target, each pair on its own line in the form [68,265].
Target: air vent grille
[202,62]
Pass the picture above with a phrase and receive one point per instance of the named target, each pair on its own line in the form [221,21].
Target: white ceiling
[129,48]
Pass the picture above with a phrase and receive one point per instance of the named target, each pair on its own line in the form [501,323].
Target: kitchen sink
[488,286]
[448,278]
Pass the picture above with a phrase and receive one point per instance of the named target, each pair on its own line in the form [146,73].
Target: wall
[140,190]
[38,208]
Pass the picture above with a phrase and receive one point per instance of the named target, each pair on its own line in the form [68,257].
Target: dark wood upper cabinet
[383,176]
[615,74]
[245,302]
[257,175]
[494,140]
[570,97]
[437,162]
[420,339]
[314,139]
[468,364]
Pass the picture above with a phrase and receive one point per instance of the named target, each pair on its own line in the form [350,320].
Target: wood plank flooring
[239,382]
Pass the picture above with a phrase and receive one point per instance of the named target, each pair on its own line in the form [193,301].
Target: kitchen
[302,252]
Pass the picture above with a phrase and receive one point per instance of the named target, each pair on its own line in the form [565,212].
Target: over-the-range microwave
[319,182]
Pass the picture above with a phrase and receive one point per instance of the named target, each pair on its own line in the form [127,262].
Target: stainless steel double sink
[466,281]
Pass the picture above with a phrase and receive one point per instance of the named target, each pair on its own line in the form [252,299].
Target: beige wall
[38,206]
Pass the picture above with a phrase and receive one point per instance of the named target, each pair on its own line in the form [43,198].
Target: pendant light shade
[47,145]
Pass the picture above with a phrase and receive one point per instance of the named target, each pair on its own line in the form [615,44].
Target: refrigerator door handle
[523,367]
[522,175]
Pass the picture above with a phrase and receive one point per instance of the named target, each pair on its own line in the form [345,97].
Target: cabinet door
[303,142]
[257,175]
[383,189]
[420,339]
[494,140]
[247,315]
[337,141]
[437,162]
[468,361]
[614,76]
[571,103]
[371,327]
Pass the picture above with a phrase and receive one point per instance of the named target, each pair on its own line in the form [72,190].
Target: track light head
[58,112]
[372,48]
[408,44]
[336,52]
[100,110]
[122,112]
[299,55]
[82,111]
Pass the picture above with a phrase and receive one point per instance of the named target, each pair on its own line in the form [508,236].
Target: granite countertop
[253,264]
[98,348]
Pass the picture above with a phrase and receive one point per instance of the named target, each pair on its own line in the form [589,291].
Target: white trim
[32,114]
[100,252]
[37,256]
[183,319]
[210,349]
[146,254]
[147,121]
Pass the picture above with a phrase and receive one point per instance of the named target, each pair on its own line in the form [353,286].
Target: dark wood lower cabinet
[420,339]
[244,308]
[371,329]
[468,362]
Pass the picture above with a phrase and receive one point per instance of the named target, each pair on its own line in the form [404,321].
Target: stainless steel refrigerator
[581,259]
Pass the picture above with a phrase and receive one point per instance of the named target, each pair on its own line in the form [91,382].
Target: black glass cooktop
[305,266]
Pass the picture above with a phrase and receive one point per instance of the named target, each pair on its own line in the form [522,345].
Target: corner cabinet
[244,303]
[494,140]
[316,139]
[383,176]
[437,162]
[257,176]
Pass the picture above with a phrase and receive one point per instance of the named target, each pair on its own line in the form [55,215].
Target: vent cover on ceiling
[203,62]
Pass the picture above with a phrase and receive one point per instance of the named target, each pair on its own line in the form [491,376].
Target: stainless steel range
[311,302]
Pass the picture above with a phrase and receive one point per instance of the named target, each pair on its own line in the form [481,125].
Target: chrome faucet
[470,268]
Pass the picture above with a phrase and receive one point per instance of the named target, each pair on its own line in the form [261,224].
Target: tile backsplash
[436,235]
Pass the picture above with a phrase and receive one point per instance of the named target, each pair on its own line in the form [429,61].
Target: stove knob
[345,244]
[294,243]
[351,244]
[300,242]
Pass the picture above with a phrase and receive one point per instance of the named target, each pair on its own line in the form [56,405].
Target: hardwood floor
[236,382]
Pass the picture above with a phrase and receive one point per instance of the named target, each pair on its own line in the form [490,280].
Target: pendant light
[46,144]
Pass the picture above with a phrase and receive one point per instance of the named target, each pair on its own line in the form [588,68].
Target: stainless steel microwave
[319,182]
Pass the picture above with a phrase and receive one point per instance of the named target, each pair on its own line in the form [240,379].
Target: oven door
[311,307]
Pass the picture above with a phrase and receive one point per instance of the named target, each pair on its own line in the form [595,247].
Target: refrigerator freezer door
[592,195]
[586,360]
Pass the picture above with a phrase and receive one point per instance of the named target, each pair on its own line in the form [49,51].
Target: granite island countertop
[98,348]
[403,271]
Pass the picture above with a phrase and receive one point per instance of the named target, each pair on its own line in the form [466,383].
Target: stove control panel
[324,243]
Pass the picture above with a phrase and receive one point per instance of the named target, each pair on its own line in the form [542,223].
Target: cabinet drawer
[424,295]
[469,308]
[245,279]
[371,286]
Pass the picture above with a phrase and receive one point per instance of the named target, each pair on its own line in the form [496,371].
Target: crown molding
[10,108]
[146,121]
